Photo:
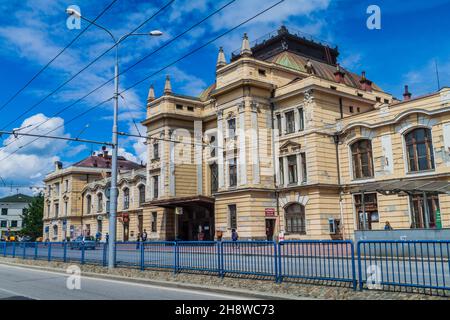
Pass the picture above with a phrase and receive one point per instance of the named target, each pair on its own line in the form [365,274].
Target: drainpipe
[341,209]
[277,193]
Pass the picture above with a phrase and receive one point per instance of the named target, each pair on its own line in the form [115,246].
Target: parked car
[88,242]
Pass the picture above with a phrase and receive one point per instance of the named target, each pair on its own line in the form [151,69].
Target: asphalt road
[23,283]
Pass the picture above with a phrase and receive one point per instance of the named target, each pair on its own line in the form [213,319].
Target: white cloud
[30,163]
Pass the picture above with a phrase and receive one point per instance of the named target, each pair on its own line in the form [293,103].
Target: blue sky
[413,36]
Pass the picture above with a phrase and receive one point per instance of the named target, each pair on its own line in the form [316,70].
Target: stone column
[285,171]
[255,144]
[198,133]
[163,161]
[242,159]
[220,148]
[172,164]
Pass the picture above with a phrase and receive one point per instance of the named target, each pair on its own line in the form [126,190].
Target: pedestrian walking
[388,226]
[144,236]
[234,237]
[138,240]
[107,237]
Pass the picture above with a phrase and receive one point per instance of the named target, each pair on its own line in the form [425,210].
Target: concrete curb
[171,284]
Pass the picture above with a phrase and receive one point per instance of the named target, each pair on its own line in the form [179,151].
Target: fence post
[36,248]
[14,250]
[49,257]
[359,266]
[222,260]
[275,261]
[65,251]
[352,247]
[219,265]
[142,256]
[176,252]
[82,253]
[280,272]
[105,247]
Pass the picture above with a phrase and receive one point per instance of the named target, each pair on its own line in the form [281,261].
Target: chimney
[339,75]
[366,84]
[221,60]
[245,50]
[406,94]
[58,165]
[167,86]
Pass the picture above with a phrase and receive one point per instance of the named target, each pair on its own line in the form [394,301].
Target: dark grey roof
[406,186]
[17,198]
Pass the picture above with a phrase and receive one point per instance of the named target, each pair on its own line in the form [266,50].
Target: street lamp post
[113,193]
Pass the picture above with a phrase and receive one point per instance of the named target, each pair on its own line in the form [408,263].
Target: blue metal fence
[255,258]
[322,260]
[413,266]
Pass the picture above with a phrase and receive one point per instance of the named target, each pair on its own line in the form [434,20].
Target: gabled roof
[17,198]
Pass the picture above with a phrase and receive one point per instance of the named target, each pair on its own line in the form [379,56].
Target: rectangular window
[232,170]
[290,122]
[4,211]
[304,168]
[281,168]
[56,210]
[13,223]
[4,224]
[301,116]
[66,211]
[190,109]
[232,216]
[279,124]
[57,189]
[48,210]
[156,151]
[292,169]
[179,107]
[421,218]
[350,109]
[213,168]
[66,185]
[154,221]
[155,187]
[231,128]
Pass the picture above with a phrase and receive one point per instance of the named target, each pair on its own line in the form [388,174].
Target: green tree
[32,218]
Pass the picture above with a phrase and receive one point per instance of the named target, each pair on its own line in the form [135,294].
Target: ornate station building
[285,141]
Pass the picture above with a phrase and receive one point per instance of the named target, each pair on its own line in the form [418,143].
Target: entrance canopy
[404,186]
[201,201]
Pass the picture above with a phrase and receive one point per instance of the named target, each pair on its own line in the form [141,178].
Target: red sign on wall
[270,212]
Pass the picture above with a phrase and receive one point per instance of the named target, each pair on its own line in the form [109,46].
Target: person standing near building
[144,235]
[388,226]
[107,237]
[138,240]
[234,237]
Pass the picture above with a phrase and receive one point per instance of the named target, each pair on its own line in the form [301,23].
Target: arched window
[126,198]
[141,189]
[295,219]
[88,203]
[362,159]
[100,202]
[419,148]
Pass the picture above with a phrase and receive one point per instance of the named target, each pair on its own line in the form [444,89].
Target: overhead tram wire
[84,68]
[138,62]
[162,69]
[55,57]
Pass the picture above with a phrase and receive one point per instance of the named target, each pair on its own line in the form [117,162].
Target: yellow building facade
[285,142]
